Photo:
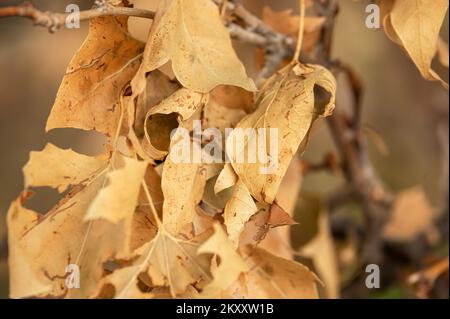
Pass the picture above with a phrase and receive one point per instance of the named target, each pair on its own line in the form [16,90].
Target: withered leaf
[59,168]
[89,95]
[191,34]
[286,104]
[168,261]
[415,26]
[231,263]
[277,278]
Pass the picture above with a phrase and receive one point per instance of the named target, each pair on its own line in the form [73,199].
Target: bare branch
[54,21]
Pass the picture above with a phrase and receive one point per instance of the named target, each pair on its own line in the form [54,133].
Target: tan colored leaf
[191,34]
[59,168]
[227,178]
[163,118]
[278,239]
[287,105]
[62,238]
[275,278]
[182,186]
[260,224]
[287,23]
[168,261]
[231,263]
[233,97]
[217,115]
[24,282]
[238,211]
[89,95]
[158,87]
[412,215]
[118,199]
[442,52]
[415,26]
[322,251]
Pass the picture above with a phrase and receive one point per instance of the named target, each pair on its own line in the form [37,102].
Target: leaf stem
[301,29]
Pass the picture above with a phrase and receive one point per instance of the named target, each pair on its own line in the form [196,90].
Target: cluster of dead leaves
[137,224]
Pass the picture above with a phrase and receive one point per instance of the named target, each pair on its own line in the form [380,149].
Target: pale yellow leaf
[238,211]
[117,200]
[231,263]
[415,26]
[59,168]
[322,251]
[191,34]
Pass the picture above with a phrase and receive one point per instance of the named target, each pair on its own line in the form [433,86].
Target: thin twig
[54,21]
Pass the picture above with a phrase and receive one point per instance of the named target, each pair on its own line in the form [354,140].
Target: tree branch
[277,47]
[54,21]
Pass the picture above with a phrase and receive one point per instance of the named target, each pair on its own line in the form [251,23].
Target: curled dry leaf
[260,224]
[89,95]
[191,34]
[226,179]
[415,26]
[163,118]
[286,102]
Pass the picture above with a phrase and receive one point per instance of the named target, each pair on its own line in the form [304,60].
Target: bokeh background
[406,111]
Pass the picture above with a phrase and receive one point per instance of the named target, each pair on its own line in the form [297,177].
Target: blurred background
[408,114]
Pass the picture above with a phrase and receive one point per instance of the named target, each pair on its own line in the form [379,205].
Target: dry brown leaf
[192,36]
[426,278]
[286,103]
[89,95]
